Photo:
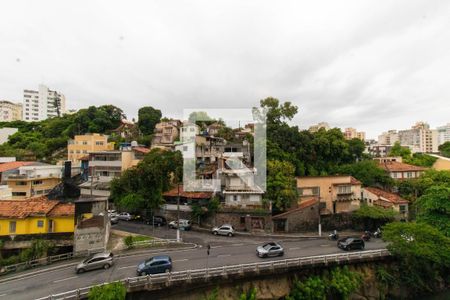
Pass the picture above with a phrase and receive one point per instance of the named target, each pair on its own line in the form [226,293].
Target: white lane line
[60,280]
[127,267]
[178,260]
[237,244]
[294,248]
[223,255]
[215,247]
[2,295]
[326,245]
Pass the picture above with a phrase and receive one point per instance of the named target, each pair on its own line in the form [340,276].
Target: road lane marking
[325,245]
[60,280]
[223,255]
[127,267]
[2,295]
[178,260]
[294,248]
[237,244]
[215,247]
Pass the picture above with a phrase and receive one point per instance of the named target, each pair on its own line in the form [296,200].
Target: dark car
[156,220]
[351,243]
[155,265]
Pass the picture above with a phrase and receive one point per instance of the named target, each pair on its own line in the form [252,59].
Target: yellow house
[81,145]
[36,216]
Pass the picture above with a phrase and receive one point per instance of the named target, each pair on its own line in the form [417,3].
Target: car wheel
[265,256]
[230,234]
[166,270]
[281,254]
[215,233]
[106,266]
[80,271]
[362,247]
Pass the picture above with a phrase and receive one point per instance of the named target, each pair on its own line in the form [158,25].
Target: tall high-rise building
[420,138]
[388,138]
[10,111]
[42,104]
[351,133]
[443,134]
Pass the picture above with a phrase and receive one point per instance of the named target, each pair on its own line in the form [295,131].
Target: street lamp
[178,214]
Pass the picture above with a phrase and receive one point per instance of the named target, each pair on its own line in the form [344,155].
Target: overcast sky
[372,65]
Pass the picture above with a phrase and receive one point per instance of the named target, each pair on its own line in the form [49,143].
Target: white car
[124,216]
[225,229]
[184,224]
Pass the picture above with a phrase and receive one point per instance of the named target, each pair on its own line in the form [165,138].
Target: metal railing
[35,263]
[161,281]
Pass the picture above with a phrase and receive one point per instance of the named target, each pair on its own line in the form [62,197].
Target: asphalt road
[224,251]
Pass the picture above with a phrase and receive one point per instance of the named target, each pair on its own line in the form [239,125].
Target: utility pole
[178,214]
[320,224]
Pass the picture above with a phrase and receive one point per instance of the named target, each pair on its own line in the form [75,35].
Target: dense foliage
[42,139]
[413,188]
[368,172]
[142,187]
[338,284]
[372,217]
[148,117]
[281,184]
[445,149]
[110,291]
[434,208]
[417,159]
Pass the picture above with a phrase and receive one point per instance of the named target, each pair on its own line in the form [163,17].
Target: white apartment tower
[420,138]
[42,104]
[443,133]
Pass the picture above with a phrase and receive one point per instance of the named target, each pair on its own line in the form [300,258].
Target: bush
[128,241]
[110,291]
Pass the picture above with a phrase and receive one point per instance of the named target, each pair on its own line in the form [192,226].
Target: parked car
[124,216]
[97,261]
[270,249]
[156,220]
[184,224]
[225,229]
[155,265]
[114,219]
[351,243]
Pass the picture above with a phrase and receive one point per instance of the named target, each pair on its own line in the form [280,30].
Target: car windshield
[267,246]
[88,258]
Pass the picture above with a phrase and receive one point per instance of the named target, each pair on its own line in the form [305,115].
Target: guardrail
[154,242]
[160,281]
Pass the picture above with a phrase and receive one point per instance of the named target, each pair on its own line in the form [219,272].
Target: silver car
[97,261]
[225,229]
[270,249]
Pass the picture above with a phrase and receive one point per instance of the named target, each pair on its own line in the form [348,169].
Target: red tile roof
[192,195]
[63,210]
[24,208]
[14,165]
[141,149]
[391,197]
[304,204]
[395,166]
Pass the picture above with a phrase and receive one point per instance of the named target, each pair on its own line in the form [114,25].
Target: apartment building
[377,197]
[388,138]
[315,128]
[337,194]
[352,133]
[34,181]
[443,133]
[10,111]
[42,104]
[420,138]
[81,145]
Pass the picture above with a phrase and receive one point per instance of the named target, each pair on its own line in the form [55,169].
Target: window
[235,198]
[409,175]
[99,143]
[344,189]
[21,183]
[40,224]
[402,209]
[19,194]
[242,220]
[85,142]
[37,182]
[12,227]
[185,148]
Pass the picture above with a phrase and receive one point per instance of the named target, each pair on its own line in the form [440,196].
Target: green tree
[422,251]
[148,117]
[434,208]
[110,291]
[281,184]
[372,216]
[445,149]
[420,159]
[399,150]
[366,171]
[312,288]
[343,282]
[249,295]
[276,113]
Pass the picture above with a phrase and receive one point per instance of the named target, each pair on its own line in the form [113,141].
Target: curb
[242,233]
[120,255]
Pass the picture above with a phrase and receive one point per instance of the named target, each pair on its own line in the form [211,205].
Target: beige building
[388,138]
[400,171]
[318,126]
[165,134]
[81,145]
[420,138]
[33,181]
[10,111]
[337,194]
[377,197]
[351,133]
